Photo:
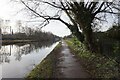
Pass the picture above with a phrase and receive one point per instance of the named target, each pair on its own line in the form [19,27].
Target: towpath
[68,66]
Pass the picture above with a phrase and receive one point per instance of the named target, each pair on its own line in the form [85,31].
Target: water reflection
[19,50]
[4,54]
[19,59]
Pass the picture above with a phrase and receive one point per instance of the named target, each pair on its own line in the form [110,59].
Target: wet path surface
[69,66]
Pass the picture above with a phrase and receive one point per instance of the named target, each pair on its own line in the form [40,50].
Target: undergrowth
[96,64]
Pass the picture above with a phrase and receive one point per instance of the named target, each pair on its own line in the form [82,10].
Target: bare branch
[99,8]
[33,10]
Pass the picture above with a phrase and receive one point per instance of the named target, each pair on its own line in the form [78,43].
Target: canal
[16,61]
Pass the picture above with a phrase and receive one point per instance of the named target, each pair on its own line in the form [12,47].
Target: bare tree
[82,15]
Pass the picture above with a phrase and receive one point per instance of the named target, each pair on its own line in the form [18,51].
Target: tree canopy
[83,15]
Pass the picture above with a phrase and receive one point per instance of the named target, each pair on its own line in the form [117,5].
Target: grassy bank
[46,68]
[96,64]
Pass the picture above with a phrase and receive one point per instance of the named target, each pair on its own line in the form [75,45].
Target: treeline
[34,35]
[114,32]
[108,42]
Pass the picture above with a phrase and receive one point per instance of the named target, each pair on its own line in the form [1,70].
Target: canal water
[16,61]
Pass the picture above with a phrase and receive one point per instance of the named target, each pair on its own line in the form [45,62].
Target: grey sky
[9,9]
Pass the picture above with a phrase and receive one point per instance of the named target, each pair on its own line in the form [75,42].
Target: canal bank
[72,60]
[98,65]
[47,68]
[8,42]
[60,63]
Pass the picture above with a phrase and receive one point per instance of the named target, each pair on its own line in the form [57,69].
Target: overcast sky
[8,10]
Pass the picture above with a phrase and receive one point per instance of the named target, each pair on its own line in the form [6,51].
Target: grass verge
[96,64]
[46,69]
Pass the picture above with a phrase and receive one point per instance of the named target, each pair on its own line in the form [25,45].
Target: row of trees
[34,35]
[18,27]
[4,25]
[23,32]
[83,15]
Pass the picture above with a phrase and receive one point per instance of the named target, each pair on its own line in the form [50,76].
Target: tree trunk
[75,31]
[89,39]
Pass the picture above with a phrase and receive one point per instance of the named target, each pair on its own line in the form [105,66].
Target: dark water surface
[16,61]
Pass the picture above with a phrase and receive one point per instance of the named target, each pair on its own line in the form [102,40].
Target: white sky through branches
[9,9]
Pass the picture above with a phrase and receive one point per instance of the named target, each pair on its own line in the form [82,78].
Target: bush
[97,65]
